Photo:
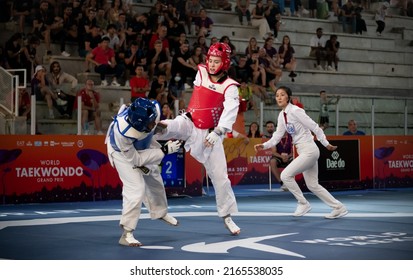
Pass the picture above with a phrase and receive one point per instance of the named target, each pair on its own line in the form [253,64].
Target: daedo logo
[336,163]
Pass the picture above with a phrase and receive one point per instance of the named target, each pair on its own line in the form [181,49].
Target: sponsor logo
[335,162]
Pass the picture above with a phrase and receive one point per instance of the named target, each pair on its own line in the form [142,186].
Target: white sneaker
[104,83]
[65,54]
[127,239]
[337,212]
[170,220]
[330,68]
[302,209]
[127,84]
[115,83]
[305,11]
[231,226]
[61,102]
[319,67]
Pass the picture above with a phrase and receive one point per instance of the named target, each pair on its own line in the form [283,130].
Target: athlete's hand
[171,147]
[258,147]
[212,138]
[331,147]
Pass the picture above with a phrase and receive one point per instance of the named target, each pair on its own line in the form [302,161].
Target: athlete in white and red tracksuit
[299,125]
[211,113]
[136,156]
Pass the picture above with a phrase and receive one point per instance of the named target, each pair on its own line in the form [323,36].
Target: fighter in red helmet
[211,113]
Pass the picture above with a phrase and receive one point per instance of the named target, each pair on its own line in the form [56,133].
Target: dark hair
[287,90]
[53,63]
[105,39]
[258,135]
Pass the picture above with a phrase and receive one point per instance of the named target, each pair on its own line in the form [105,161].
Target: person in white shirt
[318,47]
[293,120]
[211,113]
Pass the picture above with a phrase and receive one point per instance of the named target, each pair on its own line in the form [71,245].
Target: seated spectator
[222,5]
[134,56]
[269,128]
[122,31]
[259,74]
[318,44]
[112,34]
[175,34]
[352,129]
[282,156]
[252,47]
[159,89]
[85,26]
[348,17]
[116,8]
[161,35]
[15,53]
[40,88]
[273,16]
[139,84]
[166,113]
[242,9]
[90,108]
[182,39]
[157,60]
[91,41]
[296,101]
[258,19]
[64,85]
[287,59]
[225,39]
[272,71]
[66,29]
[21,11]
[30,59]
[103,58]
[43,22]
[101,19]
[332,47]
[203,24]
[197,57]
[24,103]
[270,50]
[254,131]
[245,93]
[192,11]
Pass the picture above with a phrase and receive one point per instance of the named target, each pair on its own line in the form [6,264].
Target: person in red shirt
[139,84]
[90,107]
[105,63]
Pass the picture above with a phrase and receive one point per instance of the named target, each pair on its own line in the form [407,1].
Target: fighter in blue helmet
[136,156]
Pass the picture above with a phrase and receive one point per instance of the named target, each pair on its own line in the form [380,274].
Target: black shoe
[292,74]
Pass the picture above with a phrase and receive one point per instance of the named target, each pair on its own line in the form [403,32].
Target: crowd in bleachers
[150,52]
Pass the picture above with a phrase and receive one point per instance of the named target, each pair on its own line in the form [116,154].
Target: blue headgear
[141,113]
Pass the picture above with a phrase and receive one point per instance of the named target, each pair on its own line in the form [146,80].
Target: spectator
[325,101]
[159,89]
[203,24]
[282,156]
[161,35]
[122,31]
[105,64]
[30,58]
[90,108]
[360,22]
[380,17]
[269,129]
[166,112]
[192,11]
[242,9]
[201,42]
[112,34]
[15,53]
[24,103]
[157,60]
[134,56]
[64,85]
[101,19]
[312,6]
[85,26]
[332,47]
[222,5]
[296,101]
[22,10]
[270,50]
[225,39]
[40,88]
[258,70]
[246,97]
[258,19]
[348,16]
[252,47]
[273,16]
[254,131]
[139,84]
[273,72]
[318,44]
[91,41]
[197,57]
[175,34]
[213,41]
[42,23]
[115,10]
[66,29]
[352,129]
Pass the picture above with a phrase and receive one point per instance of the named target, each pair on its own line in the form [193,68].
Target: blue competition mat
[379,226]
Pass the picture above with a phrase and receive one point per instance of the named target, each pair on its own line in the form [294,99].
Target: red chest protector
[207,101]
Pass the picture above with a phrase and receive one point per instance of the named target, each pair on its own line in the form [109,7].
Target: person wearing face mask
[136,156]
[300,126]
[210,114]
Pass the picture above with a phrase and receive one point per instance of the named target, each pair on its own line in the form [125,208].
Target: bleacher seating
[369,66]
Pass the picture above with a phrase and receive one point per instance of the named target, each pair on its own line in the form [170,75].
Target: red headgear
[223,51]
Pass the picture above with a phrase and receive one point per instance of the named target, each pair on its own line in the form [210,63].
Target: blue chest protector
[141,141]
